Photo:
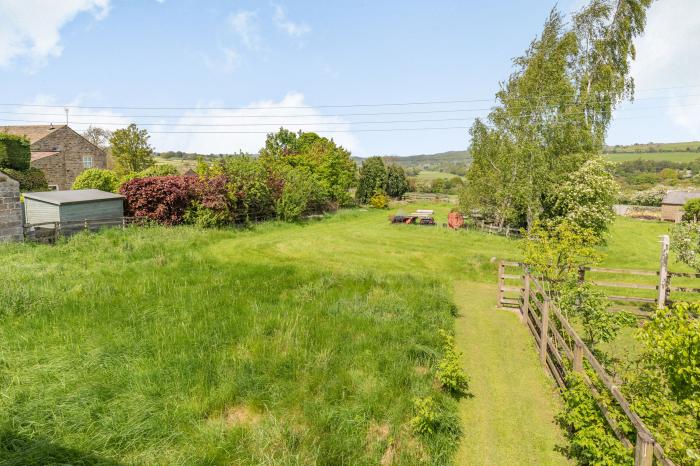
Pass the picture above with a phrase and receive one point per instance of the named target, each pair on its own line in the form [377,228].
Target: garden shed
[672,204]
[72,206]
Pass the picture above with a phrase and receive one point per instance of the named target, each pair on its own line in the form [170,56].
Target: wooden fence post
[501,282]
[578,358]
[56,228]
[663,271]
[524,312]
[544,334]
[643,450]
[87,225]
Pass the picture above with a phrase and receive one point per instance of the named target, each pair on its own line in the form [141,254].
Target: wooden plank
[687,275]
[513,277]
[684,289]
[624,285]
[631,299]
[511,288]
[649,273]
[511,264]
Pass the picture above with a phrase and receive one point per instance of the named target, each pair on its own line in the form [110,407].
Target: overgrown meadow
[183,346]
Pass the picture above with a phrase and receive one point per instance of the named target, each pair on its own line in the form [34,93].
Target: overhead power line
[275,107]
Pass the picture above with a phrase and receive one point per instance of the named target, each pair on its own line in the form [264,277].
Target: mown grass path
[510,420]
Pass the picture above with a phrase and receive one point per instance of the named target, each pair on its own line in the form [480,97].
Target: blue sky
[237,64]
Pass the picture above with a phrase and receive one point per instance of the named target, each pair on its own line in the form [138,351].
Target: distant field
[432,175]
[665,156]
[178,163]
[656,147]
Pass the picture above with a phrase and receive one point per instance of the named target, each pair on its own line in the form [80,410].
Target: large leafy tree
[131,150]
[373,177]
[396,181]
[553,111]
[330,164]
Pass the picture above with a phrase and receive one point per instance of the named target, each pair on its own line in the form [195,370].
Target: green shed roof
[77,196]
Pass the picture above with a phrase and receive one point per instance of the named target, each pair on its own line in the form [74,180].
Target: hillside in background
[652,148]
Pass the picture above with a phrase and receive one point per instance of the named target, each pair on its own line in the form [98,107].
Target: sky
[215,76]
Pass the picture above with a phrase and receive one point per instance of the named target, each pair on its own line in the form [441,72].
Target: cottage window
[87,161]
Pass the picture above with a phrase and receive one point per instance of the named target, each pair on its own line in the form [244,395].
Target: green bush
[591,441]
[301,195]
[97,178]
[380,200]
[14,152]
[691,211]
[30,180]
[450,374]
[435,418]
[205,217]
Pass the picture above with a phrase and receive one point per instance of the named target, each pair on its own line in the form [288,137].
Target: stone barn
[10,210]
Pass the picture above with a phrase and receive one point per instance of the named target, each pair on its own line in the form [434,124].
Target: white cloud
[244,24]
[668,55]
[267,114]
[32,28]
[290,27]
[228,60]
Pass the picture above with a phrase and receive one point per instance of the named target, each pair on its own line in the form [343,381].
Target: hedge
[30,180]
[14,152]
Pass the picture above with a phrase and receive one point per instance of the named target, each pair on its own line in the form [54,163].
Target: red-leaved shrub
[162,198]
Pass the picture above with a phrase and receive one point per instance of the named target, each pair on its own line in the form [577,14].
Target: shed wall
[671,213]
[40,212]
[112,208]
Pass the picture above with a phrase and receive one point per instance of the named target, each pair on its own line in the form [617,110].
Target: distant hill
[429,161]
[653,147]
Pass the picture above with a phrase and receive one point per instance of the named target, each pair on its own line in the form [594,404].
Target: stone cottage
[10,210]
[60,152]
[673,202]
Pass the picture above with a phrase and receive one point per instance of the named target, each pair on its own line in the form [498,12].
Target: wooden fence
[630,290]
[49,232]
[561,350]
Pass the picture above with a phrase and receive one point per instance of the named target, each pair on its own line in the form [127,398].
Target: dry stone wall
[10,210]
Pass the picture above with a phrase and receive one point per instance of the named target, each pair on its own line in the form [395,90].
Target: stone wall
[10,210]
[62,169]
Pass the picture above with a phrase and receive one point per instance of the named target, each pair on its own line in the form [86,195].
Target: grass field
[427,176]
[282,344]
[659,156]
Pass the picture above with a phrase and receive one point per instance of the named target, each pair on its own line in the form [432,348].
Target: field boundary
[562,351]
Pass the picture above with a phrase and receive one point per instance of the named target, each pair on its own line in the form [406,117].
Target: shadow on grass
[16,450]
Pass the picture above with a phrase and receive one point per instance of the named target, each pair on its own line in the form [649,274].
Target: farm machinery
[419,217]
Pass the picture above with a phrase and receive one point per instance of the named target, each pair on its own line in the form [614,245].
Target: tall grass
[175,346]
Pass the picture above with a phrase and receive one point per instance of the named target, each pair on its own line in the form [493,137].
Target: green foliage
[672,339]
[591,441]
[556,250]
[650,197]
[205,217]
[373,177]
[664,384]
[329,163]
[553,111]
[30,180]
[301,194]
[379,200]
[250,191]
[14,152]
[589,306]
[131,150]
[396,181]
[691,210]
[685,243]
[587,195]
[432,418]
[450,373]
[97,178]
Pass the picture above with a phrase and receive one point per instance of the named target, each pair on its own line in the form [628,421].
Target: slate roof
[40,155]
[32,132]
[77,196]
[680,197]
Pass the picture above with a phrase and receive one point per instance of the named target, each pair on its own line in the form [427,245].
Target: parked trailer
[419,217]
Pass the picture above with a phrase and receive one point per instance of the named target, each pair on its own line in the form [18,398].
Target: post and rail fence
[561,351]
[49,232]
